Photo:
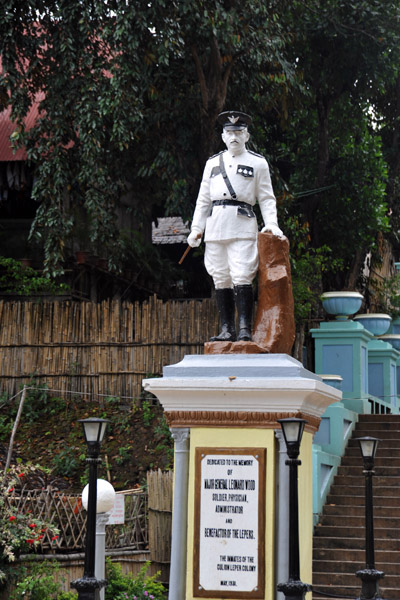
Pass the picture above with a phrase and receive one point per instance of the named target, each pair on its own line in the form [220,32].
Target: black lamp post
[369,576]
[294,588]
[89,586]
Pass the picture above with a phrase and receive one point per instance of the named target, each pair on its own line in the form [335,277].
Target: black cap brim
[234,120]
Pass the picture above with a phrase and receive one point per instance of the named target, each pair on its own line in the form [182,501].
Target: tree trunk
[299,343]
[323,139]
[311,203]
[353,276]
[14,430]
[213,79]
[394,164]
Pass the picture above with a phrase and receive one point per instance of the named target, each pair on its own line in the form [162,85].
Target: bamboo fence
[64,512]
[159,486]
[98,349]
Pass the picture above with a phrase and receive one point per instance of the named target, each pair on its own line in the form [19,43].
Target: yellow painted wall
[262,438]
[305,509]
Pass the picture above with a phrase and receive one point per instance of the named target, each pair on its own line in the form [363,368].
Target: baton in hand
[184,255]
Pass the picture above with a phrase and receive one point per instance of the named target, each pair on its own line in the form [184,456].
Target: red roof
[6,129]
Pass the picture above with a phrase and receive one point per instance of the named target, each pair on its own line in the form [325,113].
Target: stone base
[233,348]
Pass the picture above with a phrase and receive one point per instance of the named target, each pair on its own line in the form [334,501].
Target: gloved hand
[194,239]
[274,229]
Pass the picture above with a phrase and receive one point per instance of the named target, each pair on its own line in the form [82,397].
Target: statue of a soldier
[233,181]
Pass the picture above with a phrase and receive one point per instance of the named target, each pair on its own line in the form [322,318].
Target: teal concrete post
[382,376]
[341,348]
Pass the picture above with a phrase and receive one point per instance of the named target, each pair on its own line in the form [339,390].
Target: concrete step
[344,531]
[391,454]
[354,543]
[358,521]
[371,418]
[391,457]
[378,482]
[340,510]
[346,567]
[380,433]
[334,499]
[383,470]
[346,592]
[349,555]
[384,443]
[344,490]
[350,580]
[379,424]
[339,537]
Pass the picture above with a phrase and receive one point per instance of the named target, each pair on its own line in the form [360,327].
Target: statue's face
[235,139]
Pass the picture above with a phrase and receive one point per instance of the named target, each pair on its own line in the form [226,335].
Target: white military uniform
[231,255]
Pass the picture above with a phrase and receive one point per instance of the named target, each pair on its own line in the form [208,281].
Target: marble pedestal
[223,411]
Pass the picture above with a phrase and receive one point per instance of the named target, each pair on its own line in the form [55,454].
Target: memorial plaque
[229,523]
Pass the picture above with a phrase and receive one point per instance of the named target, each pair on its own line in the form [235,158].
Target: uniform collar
[236,155]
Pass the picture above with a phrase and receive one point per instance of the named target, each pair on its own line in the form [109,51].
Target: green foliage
[308,265]
[357,202]
[117,581]
[109,71]
[39,403]
[19,532]
[146,263]
[125,453]
[39,583]
[39,406]
[164,441]
[15,278]
[383,295]
[66,462]
[132,92]
[6,425]
[6,417]
[147,413]
[123,587]
[49,434]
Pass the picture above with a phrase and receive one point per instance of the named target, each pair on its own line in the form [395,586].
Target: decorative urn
[341,304]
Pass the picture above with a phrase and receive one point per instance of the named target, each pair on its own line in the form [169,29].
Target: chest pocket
[245,171]
[215,171]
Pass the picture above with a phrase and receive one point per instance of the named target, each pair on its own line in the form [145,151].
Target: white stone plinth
[267,383]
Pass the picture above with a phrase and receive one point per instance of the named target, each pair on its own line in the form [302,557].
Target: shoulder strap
[225,176]
[255,153]
[217,154]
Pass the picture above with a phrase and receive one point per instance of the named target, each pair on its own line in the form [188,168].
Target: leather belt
[244,208]
[231,203]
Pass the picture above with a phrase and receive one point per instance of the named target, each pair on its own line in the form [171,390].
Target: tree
[59,54]
[338,168]
[124,87]
[130,93]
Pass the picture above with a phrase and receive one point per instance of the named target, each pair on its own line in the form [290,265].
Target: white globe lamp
[105,496]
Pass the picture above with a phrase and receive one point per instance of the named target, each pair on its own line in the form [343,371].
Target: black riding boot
[244,305]
[226,306]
